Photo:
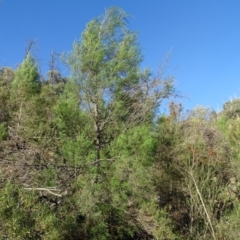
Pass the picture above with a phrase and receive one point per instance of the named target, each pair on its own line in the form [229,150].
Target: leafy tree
[231,109]
[114,109]
[25,86]
[105,63]
[26,82]
[6,77]
[31,131]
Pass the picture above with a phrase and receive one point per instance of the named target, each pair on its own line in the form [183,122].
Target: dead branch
[49,190]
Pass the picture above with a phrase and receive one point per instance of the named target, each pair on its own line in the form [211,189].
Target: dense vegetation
[89,156]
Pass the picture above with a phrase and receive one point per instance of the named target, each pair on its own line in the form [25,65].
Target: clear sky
[203,34]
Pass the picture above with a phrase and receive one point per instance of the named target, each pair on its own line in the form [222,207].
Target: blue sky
[203,35]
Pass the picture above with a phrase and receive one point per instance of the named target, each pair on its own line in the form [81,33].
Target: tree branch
[49,190]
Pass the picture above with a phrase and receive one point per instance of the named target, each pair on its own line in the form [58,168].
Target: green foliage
[137,141]
[229,225]
[5,106]
[79,151]
[67,114]
[26,81]
[108,52]
[49,177]
[24,96]
[231,109]
[105,64]
[23,217]
[3,131]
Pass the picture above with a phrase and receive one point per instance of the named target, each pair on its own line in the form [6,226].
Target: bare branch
[49,190]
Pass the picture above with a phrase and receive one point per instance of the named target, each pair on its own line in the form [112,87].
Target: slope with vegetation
[89,156]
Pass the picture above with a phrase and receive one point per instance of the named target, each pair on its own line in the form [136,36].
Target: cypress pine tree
[26,82]
[114,96]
